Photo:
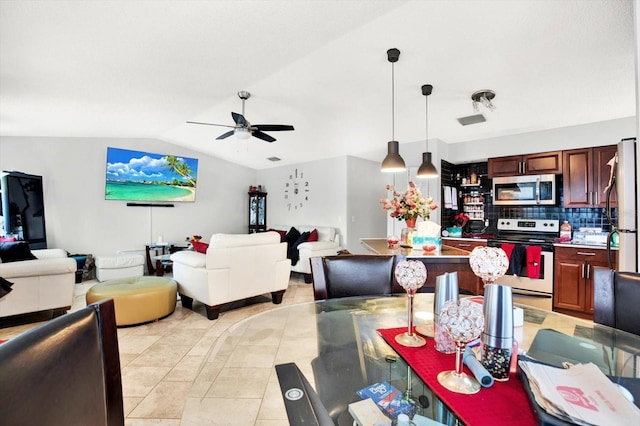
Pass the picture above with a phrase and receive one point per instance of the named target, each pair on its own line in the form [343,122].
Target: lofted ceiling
[141,69]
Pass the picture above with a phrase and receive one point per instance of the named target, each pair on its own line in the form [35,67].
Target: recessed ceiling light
[274,159]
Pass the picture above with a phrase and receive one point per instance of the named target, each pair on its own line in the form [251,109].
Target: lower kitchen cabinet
[467,280]
[573,279]
[464,244]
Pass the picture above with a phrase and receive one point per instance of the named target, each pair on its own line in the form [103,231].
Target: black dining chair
[616,299]
[301,401]
[64,372]
[352,275]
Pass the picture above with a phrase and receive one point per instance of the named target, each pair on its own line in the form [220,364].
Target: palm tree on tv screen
[178,166]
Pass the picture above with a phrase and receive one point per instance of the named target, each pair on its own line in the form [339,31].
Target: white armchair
[234,267]
[328,244]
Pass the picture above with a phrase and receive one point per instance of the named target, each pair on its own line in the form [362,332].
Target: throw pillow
[313,236]
[15,251]
[291,236]
[5,287]
[200,247]
[3,239]
[282,233]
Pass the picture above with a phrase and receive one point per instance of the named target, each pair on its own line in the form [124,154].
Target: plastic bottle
[565,231]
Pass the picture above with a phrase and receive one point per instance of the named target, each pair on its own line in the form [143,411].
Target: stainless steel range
[516,236]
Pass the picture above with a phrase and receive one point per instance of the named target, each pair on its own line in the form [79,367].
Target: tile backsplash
[577,217]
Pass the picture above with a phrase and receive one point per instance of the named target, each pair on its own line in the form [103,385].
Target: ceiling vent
[274,159]
[472,119]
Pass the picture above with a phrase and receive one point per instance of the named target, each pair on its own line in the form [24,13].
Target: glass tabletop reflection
[335,345]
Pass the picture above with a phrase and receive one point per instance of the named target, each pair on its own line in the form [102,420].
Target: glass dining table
[336,346]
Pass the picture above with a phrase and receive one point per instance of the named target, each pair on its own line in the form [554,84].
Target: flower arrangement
[408,205]
[460,220]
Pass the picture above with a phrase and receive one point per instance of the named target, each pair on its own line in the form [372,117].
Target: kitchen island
[448,259]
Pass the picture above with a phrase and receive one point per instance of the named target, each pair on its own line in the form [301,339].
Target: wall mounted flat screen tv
[145,176]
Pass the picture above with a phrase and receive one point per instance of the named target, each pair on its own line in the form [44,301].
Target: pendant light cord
[393,105]
[426,121]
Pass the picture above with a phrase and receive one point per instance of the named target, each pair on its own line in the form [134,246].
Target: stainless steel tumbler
[446,289]
[497,337]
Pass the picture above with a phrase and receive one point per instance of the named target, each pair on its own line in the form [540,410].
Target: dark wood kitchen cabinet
[573,279]
[530,164]
[586,175]
[464,244]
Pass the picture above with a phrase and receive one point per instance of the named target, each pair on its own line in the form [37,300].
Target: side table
[163,262]
[159,260]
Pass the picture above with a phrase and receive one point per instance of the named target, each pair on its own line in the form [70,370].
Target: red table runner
[504,403]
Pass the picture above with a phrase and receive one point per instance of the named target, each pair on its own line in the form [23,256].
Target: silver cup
[446,289]
[497,337]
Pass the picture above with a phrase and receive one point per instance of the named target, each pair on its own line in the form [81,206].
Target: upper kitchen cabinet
[586,175]
[530,164]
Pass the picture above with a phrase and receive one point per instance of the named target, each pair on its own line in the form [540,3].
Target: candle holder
[411,275]
[488,263]
[464,321]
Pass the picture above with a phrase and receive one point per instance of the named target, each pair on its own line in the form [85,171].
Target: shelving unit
[472,201]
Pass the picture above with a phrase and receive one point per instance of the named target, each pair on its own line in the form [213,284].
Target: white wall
[593,134]
[341,189]
[326,205]
[365,187]
[80,220]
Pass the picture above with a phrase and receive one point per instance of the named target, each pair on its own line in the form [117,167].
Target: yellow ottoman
[137,299]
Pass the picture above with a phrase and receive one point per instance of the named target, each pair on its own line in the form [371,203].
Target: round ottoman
[137,299]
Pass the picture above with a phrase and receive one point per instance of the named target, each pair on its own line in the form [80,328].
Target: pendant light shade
[393,162]
[427,169]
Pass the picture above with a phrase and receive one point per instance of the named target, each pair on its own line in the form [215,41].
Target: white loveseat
[328,244]
[235,267]
[45,283]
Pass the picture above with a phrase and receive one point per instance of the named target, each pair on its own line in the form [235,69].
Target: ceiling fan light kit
[427,170]
[393,162]
[243,129]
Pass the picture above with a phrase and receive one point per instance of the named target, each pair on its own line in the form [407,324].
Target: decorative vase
[411,222]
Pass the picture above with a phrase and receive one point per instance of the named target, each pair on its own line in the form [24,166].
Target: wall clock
[296,191]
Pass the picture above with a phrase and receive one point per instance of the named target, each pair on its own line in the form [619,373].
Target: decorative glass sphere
[488,263]
[411,274]
[462,319]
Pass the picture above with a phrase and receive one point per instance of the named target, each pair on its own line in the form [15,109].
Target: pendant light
[427,169]
[393,162]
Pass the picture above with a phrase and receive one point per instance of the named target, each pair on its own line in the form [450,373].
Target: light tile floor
[161,360]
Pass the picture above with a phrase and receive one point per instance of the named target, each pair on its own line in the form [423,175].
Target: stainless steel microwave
[524,190]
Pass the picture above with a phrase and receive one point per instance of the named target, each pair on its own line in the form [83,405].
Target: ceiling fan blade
[265,137]
[226,135]
[272,127]
[211,124]
[239,119]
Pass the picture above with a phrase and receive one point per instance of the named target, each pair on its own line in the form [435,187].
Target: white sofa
[328,244]
[235,267]
[45,283]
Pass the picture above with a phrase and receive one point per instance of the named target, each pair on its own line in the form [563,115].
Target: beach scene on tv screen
[144,176]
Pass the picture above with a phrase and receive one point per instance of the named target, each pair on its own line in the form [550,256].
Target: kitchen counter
[449,259]
[379,246]
[584,246]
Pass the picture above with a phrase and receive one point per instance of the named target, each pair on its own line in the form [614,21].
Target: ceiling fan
[243,129]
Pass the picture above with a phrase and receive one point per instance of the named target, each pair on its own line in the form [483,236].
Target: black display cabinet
[257,212]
